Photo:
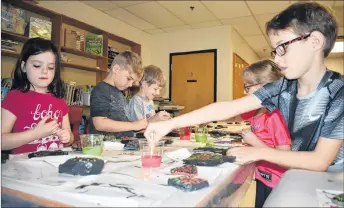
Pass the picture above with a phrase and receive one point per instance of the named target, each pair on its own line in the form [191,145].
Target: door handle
[191,80]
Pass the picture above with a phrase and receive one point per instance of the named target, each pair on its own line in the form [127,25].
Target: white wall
[219,38]
[195,40]
[335,64]
[96,18]
[156,49]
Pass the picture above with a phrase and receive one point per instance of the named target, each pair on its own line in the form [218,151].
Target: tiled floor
[249,199]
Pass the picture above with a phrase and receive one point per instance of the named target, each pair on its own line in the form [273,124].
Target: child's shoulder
[274,115]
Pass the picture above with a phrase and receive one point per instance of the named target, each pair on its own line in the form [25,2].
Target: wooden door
[238,85]
[193,79]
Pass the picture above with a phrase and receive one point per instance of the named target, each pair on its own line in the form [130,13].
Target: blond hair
[153,75]
[129,60]
[262,72]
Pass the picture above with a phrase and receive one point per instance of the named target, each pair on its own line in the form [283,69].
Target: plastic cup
[185,133]
[92,144]
[151,156]
[201,134]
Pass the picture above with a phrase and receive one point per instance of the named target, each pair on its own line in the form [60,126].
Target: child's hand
[140,124]
[44,128]
[249,137]
[158,129]
[163,116]
[64,135]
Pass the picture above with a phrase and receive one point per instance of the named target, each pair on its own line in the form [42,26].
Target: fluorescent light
[338,47]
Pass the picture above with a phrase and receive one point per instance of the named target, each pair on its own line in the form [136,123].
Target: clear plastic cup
[151,156]
[201,134]
[92,144]
[185,133]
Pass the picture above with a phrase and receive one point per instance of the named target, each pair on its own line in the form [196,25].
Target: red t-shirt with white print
[271,129]
[30,108]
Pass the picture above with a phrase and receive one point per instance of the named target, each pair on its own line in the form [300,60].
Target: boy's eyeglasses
[247,87]
[281,49]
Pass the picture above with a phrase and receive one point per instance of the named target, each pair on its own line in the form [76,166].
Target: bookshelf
[81,60]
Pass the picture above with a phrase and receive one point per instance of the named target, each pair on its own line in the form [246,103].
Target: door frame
[194,52]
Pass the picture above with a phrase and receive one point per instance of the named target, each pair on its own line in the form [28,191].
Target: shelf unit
[58,20]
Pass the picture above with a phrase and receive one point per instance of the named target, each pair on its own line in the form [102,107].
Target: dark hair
[304,18]
[35,46]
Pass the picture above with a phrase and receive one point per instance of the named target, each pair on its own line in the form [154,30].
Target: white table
[228,184]
[297,188]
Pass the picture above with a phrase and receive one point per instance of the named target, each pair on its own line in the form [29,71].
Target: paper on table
[113,145]
[179,154]
[109,185]
[324,197]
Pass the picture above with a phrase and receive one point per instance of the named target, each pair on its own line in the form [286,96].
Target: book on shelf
[74,39]
[94,44]
[39,28]
[13,19]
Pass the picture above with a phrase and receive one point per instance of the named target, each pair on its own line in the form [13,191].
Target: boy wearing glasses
[309,96]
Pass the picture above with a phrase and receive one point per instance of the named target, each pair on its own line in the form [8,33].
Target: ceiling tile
[258,43]
[244,25]
[206,24]
[341,31]
[127,3]
[101,5]
[182,10]
[176,28]
[155,14]
[129,18]
[262,19]
[154,31]
[228,9]
[264,7]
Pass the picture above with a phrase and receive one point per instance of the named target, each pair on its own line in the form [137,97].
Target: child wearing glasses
[309,96]
[268,129]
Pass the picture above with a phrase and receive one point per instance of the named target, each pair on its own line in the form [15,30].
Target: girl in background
[268,129]
[34,113]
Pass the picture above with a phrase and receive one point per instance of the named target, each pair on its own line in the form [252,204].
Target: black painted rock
[45,153]
[188,183]
[82,166]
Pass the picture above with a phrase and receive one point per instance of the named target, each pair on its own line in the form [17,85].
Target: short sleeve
[248,115]
[333,126]
[136,109]
[268,94]
[12,102]
[278,129]
[100,102]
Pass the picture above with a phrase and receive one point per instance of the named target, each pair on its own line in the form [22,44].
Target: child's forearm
[216,111]
[293,159]
[13,140]
[108,125]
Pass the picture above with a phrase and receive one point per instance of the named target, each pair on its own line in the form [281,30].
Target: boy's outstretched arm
[318,160]
[213,112]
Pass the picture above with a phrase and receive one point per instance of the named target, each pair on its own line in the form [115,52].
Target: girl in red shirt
[268,129]
[34,113]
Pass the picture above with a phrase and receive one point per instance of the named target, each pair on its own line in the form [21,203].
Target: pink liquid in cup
[151,161]
[185,133]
